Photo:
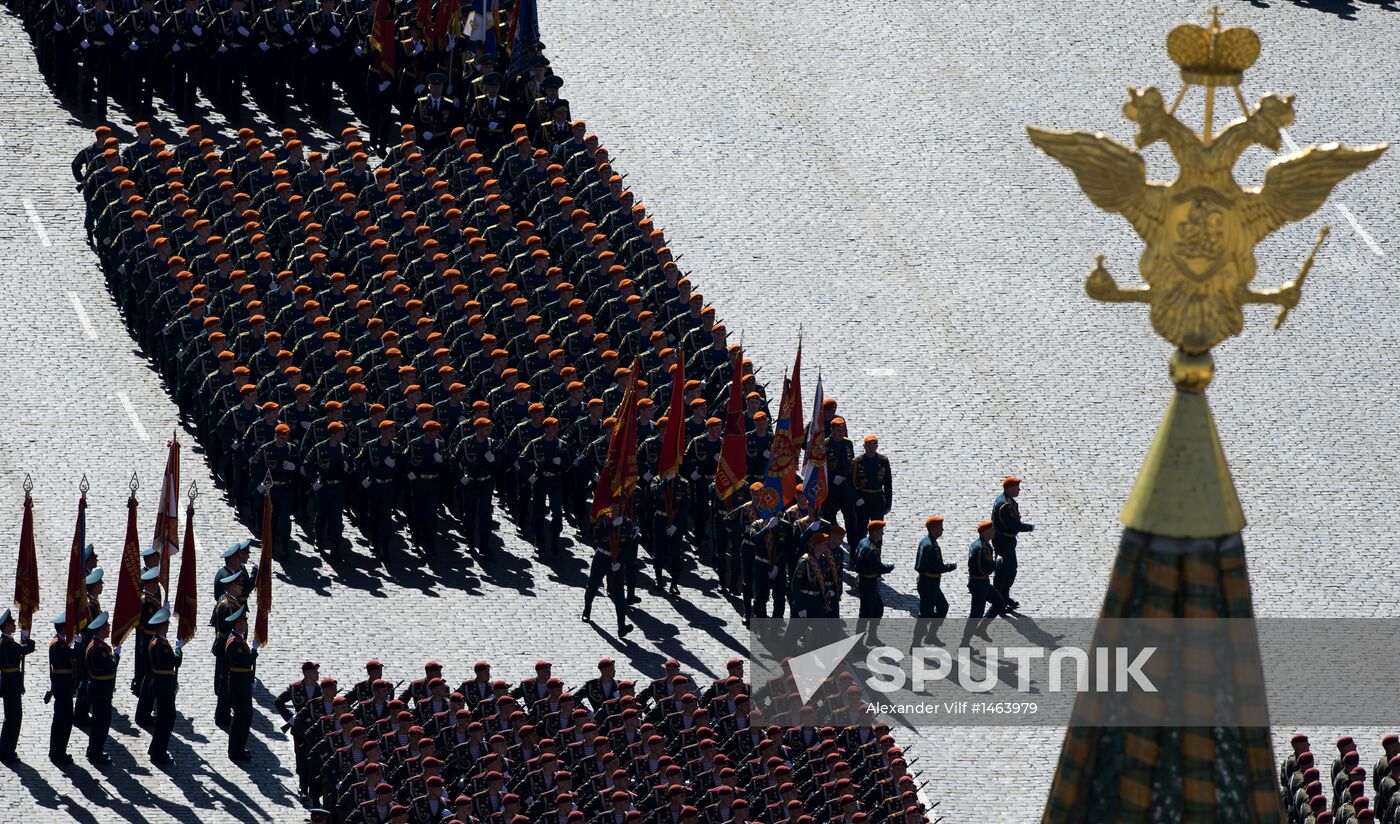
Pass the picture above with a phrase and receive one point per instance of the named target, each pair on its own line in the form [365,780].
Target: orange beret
[981,525]
[1009,480]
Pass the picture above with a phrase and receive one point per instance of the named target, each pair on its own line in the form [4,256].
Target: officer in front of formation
[100,665]
[12,655]
[162,664]
[543,458]
[869,568]
[874,487]
[981,565]
[1006,518]
[63,682]
[612,532]
[930,567]
[240,659]
[329,467]
[435,115]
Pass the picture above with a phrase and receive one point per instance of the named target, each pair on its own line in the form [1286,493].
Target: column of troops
[1354,800]
[278,50]
[609,751]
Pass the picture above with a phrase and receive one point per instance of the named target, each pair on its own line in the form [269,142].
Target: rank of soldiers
[612,751]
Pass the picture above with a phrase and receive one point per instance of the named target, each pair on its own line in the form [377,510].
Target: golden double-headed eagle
[1201,228]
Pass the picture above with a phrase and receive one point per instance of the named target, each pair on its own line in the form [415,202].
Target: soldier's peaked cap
[98,622]
[162,616]
[150,573]
[94,577]
[236,614]
[231,578]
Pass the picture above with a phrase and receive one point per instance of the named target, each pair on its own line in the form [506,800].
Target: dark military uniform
[933,604]
[378,460]
[12,653]
[670,499]
[1006,518]
[869,567]
[611,536]
[425,459]
[435,117]
[62,684]
[281,463]
[981,564]
[476,458]
[163,661]
[874,490]
[544,458]
[766,568]
[100,664]
[227,606]
[241,660]
[330,468]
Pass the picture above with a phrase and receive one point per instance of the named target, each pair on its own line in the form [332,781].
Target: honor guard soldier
[330,467]
[611,533]
[425,459]
[82,702]
[981,565]
[869,567]
[378,460]
[671,505]
[476,459]
[98,42]
[874,488]
[279,56]
[12,655]
[162,662]
[150,605]
[277,466]
[230,602]
[766,565]
[234,30]
[841,495]
[234,559]
[544,459]
[187,57]
[491,117]
[100,666]
[930,567]
[435,115]
[63,683]
[1006,518]
[241,659]
[324,34]
[145,56]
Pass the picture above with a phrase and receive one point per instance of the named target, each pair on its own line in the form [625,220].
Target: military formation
[609,751]
[1355,799]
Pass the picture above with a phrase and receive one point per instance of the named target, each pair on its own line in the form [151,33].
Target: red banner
[127,612]
[186,592]
[796,436]
[732,471]
[619,475]
[673,437]
[384,37]
[27,569]
[75,614]
[167,533]
[448,22]
[425,18]
[264,582]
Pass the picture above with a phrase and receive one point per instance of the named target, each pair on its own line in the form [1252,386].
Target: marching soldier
[476,458]
[162,662]
[241,659]
[331,465]
[981,565]
[279,56]
[840,494]
[145,52]
[150,605]
[869,568]
[435,115]
[424,459]
[324,35]
[492,115]
[544,456]
[766,567]
[1006,518]
[670,498]
[12,655]
[187,29]
[234,29]
[62,685]
[378,461]
[230,602]
[930,567]
[82,701]
[99,38]
[100,666]
[276,465]
[612,532]
[874,488]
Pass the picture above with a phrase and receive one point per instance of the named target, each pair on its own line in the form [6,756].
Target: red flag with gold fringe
[27,566]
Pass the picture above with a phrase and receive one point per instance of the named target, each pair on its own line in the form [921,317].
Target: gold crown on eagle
[1212,55]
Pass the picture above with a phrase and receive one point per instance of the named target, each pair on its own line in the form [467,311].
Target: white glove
[222,48]
[533,478]
[836,479]
[287,27]
[670,530]
[133,46]
[427,135]
[255,570]
[288,465]
[383,85]
[166,604]
[24,635]
[860,502]
[646,476]
[335,31]
[179,645]
[420,87]
[306,424]
[558,461]
[263,488]
[107,27]
[263,46]
[767,453]
[802,613]
[58,27]
[437,457]
[365,483]
[117,650]
[493,125]
[773,573]
[389,462]
[316,486]
[198,32]
[313,48]
[253,646]
[154,28]
[490,456]
[359,52]
[617,522]
[465,479]
[412,476]
[616,566]
[85,43]
[175,47]
[451,43]
[695,476]
[418,49]
[243,31]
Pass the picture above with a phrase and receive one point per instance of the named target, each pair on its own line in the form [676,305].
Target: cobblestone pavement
[866,176]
